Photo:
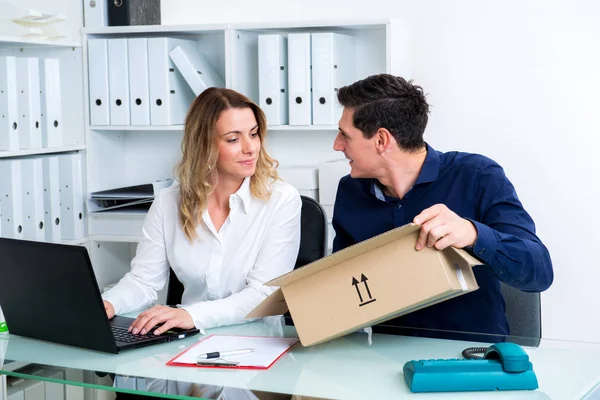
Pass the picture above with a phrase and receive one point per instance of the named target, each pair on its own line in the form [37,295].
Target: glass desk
[358,365]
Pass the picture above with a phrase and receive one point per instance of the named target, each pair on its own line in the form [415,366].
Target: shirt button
[399,205]
[500,271]
[481,251]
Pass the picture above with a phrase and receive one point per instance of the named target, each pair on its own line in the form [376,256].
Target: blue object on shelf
[505,366]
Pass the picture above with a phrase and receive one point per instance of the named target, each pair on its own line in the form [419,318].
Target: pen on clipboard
[209,363]
[219,354]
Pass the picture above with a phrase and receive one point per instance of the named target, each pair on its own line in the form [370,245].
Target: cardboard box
[368,283]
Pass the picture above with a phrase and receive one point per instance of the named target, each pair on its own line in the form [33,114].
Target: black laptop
[49,292]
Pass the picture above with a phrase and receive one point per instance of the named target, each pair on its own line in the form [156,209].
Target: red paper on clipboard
[266,350]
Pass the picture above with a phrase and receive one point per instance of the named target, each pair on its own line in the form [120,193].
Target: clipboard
[267,350]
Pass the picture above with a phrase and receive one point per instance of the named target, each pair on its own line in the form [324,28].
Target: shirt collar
[243,195]
[431,167]
[429,173]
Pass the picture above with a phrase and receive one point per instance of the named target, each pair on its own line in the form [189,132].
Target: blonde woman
[226,227]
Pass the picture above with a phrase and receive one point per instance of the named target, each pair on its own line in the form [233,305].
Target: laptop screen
[49,291]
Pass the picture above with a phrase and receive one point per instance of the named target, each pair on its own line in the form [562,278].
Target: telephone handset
[504,366]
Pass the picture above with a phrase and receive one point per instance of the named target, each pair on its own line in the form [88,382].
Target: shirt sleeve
[277,256]
[149,268]
[342,239]
[506,238]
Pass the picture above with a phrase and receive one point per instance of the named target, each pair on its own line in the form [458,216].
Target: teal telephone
[504,366]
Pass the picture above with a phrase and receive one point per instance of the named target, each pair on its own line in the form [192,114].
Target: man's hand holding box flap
[368,283]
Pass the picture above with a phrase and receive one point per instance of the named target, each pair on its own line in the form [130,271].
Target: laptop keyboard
[121,335]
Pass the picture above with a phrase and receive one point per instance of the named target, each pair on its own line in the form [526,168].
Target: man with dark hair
[459,199]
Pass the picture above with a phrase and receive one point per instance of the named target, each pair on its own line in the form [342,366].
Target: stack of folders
[41,198]
[146,81]
[299,75]
[131,199]
[30,103]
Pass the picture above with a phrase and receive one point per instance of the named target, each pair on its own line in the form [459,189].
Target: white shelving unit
[275,128]
[136,128]
[72,100]
[12,41]
[128,155]
[42,151]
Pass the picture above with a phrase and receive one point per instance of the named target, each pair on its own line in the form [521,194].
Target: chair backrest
[313,244]
[313,232]
[523,312]
[174,290]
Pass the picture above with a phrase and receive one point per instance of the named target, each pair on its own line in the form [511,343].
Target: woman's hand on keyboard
[169,317]
[110,310]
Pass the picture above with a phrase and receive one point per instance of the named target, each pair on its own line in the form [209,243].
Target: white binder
[9,116]
[139,94]
[11,198]
[98,81]
[333,66]
[95,13]
[170,96]
[118,82]
[272,78]
[299,78]
[71,196]
[330,174]
[28,92]
[32,185]
[51,101]
[195,68]
[51,199]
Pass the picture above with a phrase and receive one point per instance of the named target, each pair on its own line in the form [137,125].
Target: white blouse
[222,272]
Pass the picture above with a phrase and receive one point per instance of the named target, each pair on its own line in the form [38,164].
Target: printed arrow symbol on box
[355,284]
[364,279]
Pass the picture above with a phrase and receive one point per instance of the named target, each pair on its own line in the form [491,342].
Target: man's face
[360,151]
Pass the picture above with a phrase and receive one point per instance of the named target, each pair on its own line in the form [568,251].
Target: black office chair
[313,244]
[313,232]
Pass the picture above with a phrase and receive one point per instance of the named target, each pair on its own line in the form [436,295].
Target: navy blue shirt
[475,188]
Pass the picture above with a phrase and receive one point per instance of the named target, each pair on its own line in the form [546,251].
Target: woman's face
[238,143]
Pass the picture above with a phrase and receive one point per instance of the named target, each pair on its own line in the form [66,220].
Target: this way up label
[363,287]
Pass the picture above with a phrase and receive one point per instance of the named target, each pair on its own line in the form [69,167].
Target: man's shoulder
[467,161]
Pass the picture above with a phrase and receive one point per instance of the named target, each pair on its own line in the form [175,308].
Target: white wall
[515,80]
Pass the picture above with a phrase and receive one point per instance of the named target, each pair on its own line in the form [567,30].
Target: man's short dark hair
[391,102]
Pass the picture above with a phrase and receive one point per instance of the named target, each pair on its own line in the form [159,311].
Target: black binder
[133,12]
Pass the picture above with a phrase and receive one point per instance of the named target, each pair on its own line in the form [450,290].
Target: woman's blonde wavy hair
[196,172]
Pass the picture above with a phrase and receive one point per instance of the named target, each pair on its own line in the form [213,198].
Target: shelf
[116,238]
[75,242]
[181,127]
[190,29]
[136,128]
[14,365]
[116,226]
[33,152]
[302,127]
[33,41]
[353,23]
